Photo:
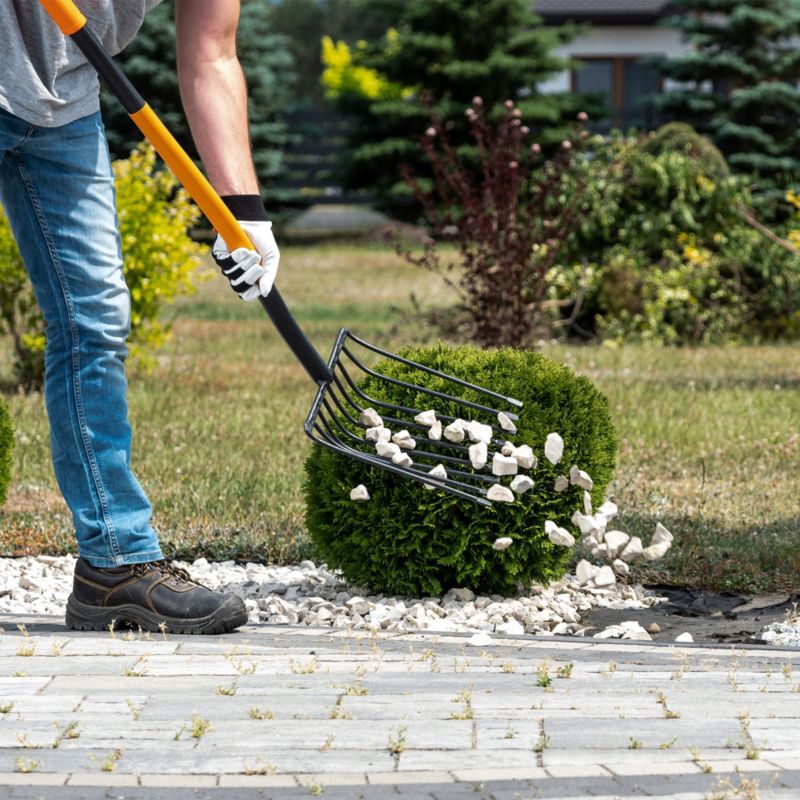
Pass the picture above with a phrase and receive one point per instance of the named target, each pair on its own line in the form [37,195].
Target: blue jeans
[57,190]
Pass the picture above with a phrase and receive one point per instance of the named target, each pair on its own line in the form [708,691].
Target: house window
[625,82]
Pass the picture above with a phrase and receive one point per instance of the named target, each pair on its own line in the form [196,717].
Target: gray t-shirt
[44,78]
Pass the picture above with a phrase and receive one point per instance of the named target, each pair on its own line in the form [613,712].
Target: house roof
[610,12]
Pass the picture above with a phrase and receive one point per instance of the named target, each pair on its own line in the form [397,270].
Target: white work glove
[251,272]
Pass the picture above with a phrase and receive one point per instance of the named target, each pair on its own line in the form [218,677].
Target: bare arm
[214,93]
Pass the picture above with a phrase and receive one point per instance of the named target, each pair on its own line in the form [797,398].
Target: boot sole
[81,617]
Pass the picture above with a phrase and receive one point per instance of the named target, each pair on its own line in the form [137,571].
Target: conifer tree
[449,51]
[740,83]
[150,63]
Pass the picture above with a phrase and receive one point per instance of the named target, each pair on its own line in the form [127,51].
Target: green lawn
[709,440]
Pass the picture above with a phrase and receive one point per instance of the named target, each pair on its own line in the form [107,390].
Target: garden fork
[335,418]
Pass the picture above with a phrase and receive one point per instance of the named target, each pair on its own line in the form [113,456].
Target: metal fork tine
[331,423]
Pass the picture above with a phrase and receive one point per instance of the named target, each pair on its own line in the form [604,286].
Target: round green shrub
[409,540]
[6,447]
[678,137]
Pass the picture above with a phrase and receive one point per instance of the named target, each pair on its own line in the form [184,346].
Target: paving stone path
[289,712]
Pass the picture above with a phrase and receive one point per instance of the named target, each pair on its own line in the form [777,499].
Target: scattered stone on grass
[504,465]
[524,456]
[478,455]
[435,431]
[455,431]
[404,439]
[615,541]
[506,423]
[378,434]
[359,492]
[553,448]
[508,449]
[632,550]
[438,472]
[478,432]
[620,567]
[402,460]
[370,418]
[587,503]
[500,493]
[558,535]
[503,543]
[577,477]
[426,418]
[387,449]
[561,484]
[521,484]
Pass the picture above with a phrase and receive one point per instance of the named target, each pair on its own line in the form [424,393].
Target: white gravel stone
[585,571]
[478,432]
[435,431]
[438,472]
[608,509]
[402,460]
[615,542]
[661,536]
[304,593]
[553,448]
[478,455]
[655,551]
[503,543]
[558,535]
[620,567]
[500,493]
[587,503]
[387,449]
[504,465]
[506,423]
[521,484]
[561,484]
[625,630]
[605,577]
[524,457]
[577,477]
[632,550]
[511,627]
[370,418]
[455,431]
[684,637]
[404,439]
[481,639]
[508,449]
[359,492]
[379,434]
[426,418]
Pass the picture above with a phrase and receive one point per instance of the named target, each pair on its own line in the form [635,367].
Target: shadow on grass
[710,553]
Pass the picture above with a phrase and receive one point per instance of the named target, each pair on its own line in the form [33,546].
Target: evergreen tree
[305,22]
[150,63]
[741,83]
[449,51]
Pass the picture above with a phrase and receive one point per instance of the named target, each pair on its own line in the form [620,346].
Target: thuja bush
[160,262]
[6,446]
[498,200]
[407,539]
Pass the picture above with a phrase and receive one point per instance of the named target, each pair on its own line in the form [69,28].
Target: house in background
[612,56]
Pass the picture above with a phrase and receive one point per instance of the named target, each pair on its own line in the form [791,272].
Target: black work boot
[155,596]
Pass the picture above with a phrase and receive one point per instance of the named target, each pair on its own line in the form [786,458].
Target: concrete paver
[285,712]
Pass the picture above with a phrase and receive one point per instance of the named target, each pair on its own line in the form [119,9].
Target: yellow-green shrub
[160,264]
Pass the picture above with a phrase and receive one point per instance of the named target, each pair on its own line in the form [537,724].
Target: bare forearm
[214,96]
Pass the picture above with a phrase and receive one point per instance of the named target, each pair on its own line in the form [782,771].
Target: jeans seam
[75,356]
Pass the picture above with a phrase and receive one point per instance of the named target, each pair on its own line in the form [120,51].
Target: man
[56,187]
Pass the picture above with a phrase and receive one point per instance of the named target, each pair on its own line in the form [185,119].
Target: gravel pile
[313,595]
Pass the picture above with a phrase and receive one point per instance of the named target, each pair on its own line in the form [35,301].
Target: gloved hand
[250,272]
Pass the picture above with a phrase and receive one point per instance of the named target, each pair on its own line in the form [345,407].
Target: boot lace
[166,568]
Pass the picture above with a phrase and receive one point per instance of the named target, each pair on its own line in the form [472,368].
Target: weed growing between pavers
[725,790]
[661,699]
[6,707]
[694,752]
[68,731]
[135,710]
[397,740]
[328,744]
[746,743]
[543,679]
[668,745]
[464,697]
[260,767]
[260,713]
[565,671]
[634,744]
[226,691]
[25,764]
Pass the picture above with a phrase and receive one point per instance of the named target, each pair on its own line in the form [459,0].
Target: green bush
[663,253]
[160,265]
[6,447]
[408,540]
